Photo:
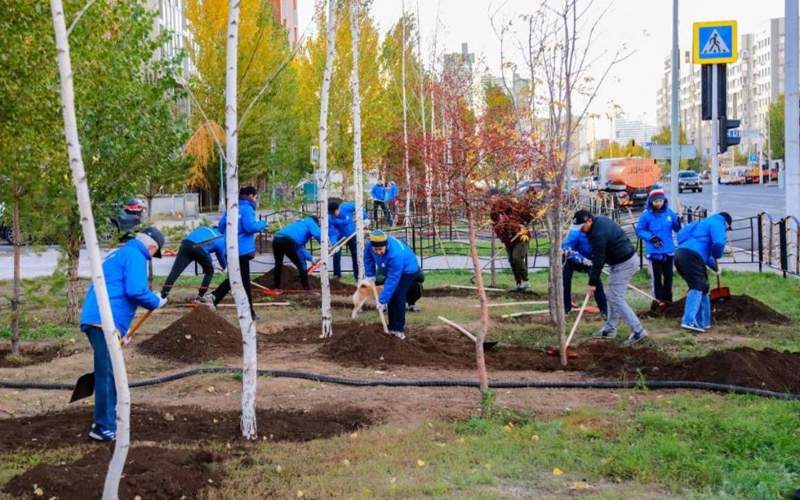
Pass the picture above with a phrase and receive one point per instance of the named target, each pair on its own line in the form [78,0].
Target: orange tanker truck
[629,180]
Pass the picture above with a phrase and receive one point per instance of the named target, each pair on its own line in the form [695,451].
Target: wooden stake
[527,313]
[513,304]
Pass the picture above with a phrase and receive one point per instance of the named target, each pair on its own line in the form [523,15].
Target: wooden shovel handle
[139,322]
[380,313]
[577,320]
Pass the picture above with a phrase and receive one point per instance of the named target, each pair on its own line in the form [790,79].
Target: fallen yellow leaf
[420,463]
[557,471]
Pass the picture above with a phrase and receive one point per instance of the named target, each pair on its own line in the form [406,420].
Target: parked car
[689,181]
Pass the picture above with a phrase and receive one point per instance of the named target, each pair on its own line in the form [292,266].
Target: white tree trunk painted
[406,165]
[426,163]
[111,486]
[246,323]
[358,175]
[322,172]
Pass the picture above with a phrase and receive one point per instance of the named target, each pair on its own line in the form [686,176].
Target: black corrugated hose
[517,384]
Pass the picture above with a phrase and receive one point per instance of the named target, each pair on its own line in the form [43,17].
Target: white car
[5,225]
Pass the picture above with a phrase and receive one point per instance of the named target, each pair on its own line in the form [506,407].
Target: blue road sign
[715,42]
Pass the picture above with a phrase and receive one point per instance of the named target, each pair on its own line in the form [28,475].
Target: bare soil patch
[181,425]
[741,309]
[150,472]
[34,354]
[199,336]
[290,280]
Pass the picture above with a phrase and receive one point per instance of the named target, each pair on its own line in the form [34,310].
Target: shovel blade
[84,387]
[721,293]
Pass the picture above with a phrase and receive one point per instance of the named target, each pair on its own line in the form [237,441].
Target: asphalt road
[740,200]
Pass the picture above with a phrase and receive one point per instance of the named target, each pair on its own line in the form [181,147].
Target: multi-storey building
[286,12]
[753,82]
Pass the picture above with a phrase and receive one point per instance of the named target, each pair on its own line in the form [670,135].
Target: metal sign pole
[714,140]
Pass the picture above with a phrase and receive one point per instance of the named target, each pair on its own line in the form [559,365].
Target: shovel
[380,313]
[721,293]
[269,292]
[488,345]
[84,387]
[554,351]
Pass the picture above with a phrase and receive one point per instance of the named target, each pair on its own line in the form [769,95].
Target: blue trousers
[397,305]
[105,393]
[352,246]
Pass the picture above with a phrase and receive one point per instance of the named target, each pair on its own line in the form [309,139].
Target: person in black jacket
[610,245]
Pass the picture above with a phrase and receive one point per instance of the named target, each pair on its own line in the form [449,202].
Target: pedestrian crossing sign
[715,42]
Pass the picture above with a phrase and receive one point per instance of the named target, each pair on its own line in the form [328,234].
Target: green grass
[696,446]
[41,332]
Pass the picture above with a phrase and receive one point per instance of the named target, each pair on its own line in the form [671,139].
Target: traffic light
[725,139]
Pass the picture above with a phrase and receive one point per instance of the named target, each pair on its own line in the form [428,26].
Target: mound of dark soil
[200,336]
[181,424]
[290,280]
[150,472]
[367,346]
[742,309]
[33,354]
[767,369]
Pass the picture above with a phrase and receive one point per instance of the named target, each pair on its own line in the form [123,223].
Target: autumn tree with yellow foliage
[270,147]
[374,115]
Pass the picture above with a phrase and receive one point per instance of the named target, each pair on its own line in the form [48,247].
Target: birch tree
[246,323]
[406,166]
[426,164]
[114,474]
[358,176]
[322,172]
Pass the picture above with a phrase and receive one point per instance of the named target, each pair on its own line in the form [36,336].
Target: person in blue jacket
[393,259]
[700,244]
[655,228]
[198,247]
[380,199]
[391,200]
[249,226]
[288,242]
[125,271]
[342,216]
[578,257]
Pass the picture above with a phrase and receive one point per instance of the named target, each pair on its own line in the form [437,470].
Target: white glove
[587,262]
[367,222]
[381,307]
[162,302]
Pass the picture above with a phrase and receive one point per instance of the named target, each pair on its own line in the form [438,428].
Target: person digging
[578,257]
[198,247]
[510,218]
[249,226]
[125,271]
[611,246]
[342,216]
[397,262]
[700,244]
[288,242]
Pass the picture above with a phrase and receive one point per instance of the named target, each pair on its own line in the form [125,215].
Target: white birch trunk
[322,173]
[358,177]
[117,464]
[246,323]
[426,163]
[405,121]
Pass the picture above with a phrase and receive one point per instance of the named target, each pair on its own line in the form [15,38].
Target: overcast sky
[642,25]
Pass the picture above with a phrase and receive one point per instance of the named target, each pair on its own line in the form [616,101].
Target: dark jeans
[105,392]
[188,253]
[386,212]
[352,246]
[225,287]
[283,246]
[662,278]
[692,268]
[517,253]
[570,268]
[397,304]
